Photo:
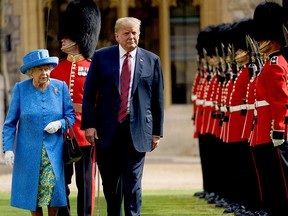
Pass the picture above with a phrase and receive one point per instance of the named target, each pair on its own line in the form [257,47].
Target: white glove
[9,158]
[277,142]
[52,127]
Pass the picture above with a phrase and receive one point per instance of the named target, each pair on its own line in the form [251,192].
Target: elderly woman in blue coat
[33,132]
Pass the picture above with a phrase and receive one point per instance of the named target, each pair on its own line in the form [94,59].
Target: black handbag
[72,151]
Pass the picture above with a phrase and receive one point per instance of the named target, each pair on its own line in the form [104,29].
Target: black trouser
[85,171]
[271,163]
[241,180]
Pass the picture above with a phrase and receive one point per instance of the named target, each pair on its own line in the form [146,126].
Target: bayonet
[256,53]
[220,69]
[224,57]
[206,60]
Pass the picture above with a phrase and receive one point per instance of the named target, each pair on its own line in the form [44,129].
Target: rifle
[256,53]
[233,63]
[206,60]
[224,57]
[207,64]
[252,68]
[220,75]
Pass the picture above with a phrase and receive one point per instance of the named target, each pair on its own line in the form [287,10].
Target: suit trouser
[121,169]
[85,171]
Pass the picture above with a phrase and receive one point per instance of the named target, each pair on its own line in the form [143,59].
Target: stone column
[32,26]
[122,6]
[165,51]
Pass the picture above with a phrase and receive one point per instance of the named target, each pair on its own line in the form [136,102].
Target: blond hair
[127,22]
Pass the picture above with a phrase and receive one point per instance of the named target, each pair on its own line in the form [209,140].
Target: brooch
[56,90]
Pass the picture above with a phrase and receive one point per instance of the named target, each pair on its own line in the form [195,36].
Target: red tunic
[194,95]
[199,105]
[250,101]
[226,91]
[73,71]
[234,127]
[271,100]
[208,105]
[216,129]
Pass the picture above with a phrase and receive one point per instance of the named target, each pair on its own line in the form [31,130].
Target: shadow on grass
[155,203]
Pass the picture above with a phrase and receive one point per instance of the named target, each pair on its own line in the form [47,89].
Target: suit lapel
[115,66]
[139,61]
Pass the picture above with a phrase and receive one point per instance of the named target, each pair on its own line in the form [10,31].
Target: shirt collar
[122,52]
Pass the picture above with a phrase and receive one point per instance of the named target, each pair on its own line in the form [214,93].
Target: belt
[250,106]
[193,97]
[77,107]
[223,109]
[261,103]
[199,102]
[237,108]
[208,104]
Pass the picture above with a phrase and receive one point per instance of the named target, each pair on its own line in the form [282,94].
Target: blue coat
[147,101]
[23,132]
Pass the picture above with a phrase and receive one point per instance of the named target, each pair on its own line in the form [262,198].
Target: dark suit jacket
[146,107]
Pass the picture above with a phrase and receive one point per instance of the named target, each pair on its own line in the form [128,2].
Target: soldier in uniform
[243,179]
[198,96]
[79,35]
[269,135]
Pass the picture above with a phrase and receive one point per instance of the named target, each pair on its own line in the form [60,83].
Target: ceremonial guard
[268,138]
[199,89]
[243,191]
[79,35]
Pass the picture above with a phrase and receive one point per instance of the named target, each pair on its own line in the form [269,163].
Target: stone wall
[240,9]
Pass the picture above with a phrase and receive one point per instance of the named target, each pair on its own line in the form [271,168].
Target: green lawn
[155,203]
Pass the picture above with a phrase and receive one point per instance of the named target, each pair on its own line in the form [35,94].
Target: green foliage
[155,203]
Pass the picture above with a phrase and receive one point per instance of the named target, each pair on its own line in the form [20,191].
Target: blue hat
[36,58]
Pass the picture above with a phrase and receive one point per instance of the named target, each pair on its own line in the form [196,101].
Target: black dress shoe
[221,203]
[261,213]
[244,212]
[198,194]
[210,196]
[232,208]
[203,195]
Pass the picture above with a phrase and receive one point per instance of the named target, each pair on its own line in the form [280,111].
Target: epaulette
[274,60]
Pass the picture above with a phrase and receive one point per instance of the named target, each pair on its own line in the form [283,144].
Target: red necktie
[125,79]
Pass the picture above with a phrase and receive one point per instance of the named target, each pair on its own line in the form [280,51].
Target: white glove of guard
[52,127]
[9,158]
[277,142]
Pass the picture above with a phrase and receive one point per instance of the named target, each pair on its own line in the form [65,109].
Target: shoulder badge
[274,60]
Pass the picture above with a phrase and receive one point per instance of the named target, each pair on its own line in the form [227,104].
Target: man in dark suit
[123,118]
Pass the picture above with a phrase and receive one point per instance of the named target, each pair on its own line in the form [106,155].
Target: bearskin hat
[82,24]
[205,40]
[268,18]
[239,31]
[202,39]
[223,37]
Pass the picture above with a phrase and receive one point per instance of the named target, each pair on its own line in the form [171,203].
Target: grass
[155,203]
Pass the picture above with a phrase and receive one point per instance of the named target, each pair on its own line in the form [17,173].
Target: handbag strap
[69,126]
